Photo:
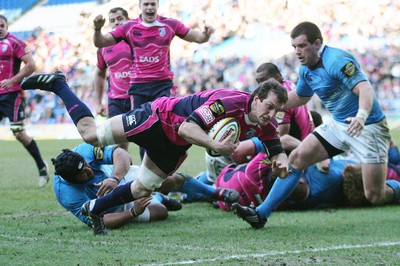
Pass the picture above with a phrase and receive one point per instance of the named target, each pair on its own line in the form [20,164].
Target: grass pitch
[35,230]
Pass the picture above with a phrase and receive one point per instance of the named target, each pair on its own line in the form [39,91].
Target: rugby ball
[220,130]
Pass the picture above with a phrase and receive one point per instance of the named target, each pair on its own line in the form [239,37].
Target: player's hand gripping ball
[221,130]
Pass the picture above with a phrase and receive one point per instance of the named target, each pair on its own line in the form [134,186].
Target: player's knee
[295,158]
[180,179]
[158,212]
[91,139]
[148,180]
[103,136]
[17,128]
[375,196]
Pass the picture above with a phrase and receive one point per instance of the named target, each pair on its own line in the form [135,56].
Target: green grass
[35,230]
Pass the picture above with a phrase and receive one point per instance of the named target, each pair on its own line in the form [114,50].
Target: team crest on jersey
[279,116]
[162,32]
[250,133]
[98,153]
[217,108]
[206,114]
[349,69]
[4,48]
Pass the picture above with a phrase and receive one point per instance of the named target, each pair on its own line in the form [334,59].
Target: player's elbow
[183,130]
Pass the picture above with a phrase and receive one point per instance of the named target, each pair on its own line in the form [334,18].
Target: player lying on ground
[87,172]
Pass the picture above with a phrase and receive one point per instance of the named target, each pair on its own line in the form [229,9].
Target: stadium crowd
[368,31]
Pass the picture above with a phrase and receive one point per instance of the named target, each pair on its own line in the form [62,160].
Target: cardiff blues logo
[162,32]
[250,133]
[4,48]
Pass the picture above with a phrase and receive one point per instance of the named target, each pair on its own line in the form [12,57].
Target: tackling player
[87,172]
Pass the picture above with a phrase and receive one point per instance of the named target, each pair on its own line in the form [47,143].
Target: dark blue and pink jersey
[150,44]
[118,59]
[208,107]
[11,51]
[299,118]
[154,126]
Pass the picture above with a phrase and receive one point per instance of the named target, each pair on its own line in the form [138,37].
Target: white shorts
[370,147]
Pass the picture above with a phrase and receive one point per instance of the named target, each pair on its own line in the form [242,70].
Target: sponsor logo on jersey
[122,75]
[349,69]
[137,33]
[98,153]
[279,116]
[217,108]
[109,50]
[149,59]
[130,119]
[162,32]
[206,114]
[250,133]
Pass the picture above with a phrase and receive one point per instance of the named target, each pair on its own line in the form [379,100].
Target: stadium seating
[65,2]
[13,9]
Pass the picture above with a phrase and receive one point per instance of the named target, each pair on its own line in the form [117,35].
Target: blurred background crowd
[248,33]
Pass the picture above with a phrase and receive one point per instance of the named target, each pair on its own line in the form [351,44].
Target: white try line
[274,253]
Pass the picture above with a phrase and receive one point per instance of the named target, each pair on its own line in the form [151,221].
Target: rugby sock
[193,187]
[75,107]
[33,149]
[281,190]
[120,195]
[394,155]
[156,197]
[395,185]
[203,178]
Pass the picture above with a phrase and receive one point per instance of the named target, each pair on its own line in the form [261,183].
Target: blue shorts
[118,106]
[12,105]
[144,128]
[148,92]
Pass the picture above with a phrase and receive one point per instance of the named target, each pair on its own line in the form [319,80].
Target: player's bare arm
[122,162]
[295,100]
[366,97]
[99,39]
[27,70]
[194,134]
[199,36]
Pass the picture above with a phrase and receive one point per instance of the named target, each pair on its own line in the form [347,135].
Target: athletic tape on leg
[149,179]
[104,134]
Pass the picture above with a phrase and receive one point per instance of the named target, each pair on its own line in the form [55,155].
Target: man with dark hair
[358,124]
[12,101]
[168,127]
[118,60]
[89,172]
[294,123]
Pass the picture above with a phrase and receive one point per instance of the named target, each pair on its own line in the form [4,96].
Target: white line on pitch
[273,253]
